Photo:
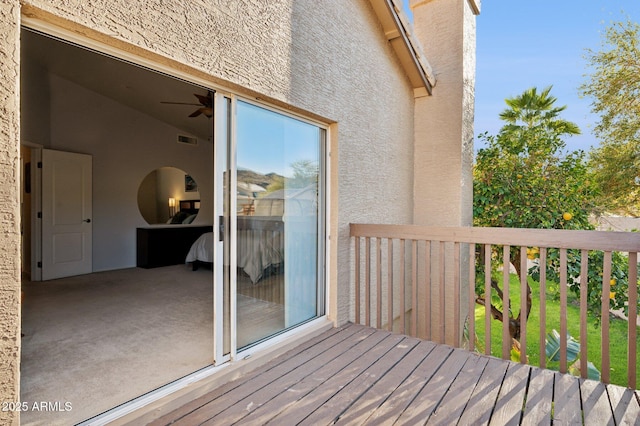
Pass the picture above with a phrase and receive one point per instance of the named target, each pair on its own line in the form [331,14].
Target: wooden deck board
[567,409]
[539,402]
[401,397]
[309,394]
[454,402]
[508,409]
[328,400]
[427,400]
[625,405]
[595,403]
[483,399]
[362,408]
[358,375]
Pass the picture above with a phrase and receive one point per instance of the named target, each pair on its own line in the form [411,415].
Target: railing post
[633,315]
[487,299]
[524,300]
[357,278]
[542,263]
[390,283]
[606,289]
[584,290]
[472,297]
[563,310]
[506,336]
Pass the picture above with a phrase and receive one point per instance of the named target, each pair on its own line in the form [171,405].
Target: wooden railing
[420,281]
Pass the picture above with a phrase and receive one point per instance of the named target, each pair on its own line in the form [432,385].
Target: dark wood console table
[166,245]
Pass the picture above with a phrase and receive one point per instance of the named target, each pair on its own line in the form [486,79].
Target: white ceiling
[131,85]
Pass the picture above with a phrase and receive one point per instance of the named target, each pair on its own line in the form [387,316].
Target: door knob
[87,220]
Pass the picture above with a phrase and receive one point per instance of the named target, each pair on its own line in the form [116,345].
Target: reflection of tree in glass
[305,172]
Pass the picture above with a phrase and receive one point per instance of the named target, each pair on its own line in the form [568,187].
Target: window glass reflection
[278,163]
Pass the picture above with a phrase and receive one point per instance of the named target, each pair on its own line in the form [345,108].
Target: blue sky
[522,44]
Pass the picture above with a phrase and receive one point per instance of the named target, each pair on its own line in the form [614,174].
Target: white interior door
[66,214]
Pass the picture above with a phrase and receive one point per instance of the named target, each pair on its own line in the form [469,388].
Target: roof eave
[397,30]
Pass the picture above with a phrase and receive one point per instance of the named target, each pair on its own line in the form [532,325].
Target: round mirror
[168,195]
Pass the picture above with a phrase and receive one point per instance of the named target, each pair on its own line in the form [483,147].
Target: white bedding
[202,249]
[257,250]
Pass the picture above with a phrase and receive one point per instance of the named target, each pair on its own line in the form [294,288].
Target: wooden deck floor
[358,375]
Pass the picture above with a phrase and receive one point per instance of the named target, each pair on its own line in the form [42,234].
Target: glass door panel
[277,222]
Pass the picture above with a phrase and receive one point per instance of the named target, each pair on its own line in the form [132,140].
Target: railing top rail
[556,238]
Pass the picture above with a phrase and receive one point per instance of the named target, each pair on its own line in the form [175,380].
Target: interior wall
[126,145]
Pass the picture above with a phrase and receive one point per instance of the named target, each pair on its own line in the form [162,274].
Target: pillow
[189,219]
[179,217]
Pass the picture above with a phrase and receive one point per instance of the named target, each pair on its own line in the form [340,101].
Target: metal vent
[189,140]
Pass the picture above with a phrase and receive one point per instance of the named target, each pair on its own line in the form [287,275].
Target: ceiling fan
[206,105]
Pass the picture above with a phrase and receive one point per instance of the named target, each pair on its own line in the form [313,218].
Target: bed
[260,246]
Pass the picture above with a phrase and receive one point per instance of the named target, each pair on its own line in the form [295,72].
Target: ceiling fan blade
[196,113]
[205,100]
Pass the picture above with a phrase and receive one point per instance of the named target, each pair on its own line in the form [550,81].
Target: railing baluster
[427,290]
[441,293]
[379,282]
[524,297]
[456,294]
[358,261]
[506,336]
[631,324]
[606,289]
[542,263]
[390,283]
[584,293]
[367,289]
[487,299]
[403,312]
[563,310]
[472,297]
[414,288]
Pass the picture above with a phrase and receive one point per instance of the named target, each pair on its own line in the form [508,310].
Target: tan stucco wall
[444,122]
[329,58]
[9,209]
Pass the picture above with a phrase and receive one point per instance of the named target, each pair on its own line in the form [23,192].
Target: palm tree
[534,125]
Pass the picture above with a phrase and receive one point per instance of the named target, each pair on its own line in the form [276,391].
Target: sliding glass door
[278,210]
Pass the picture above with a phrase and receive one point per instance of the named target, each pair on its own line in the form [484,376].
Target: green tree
[525,179]
[614,86]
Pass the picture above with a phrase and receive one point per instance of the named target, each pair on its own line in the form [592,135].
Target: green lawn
[617,331]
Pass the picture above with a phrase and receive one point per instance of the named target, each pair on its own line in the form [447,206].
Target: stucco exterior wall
[329,58]
[9,209]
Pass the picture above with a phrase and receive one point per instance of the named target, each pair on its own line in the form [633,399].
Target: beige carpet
[99,340]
